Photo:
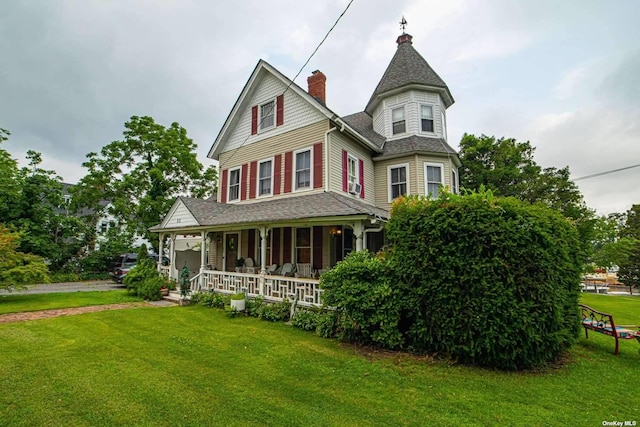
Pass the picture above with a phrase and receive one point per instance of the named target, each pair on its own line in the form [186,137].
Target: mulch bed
[45,314]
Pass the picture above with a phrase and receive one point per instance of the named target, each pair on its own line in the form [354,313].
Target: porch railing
[305,291]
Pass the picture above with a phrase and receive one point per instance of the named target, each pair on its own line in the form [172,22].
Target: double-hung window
[434,177]
[398,183]
[399,124]
[454,181]
[264,178]
[303,169]
[267,115]
[352,171]
[234,184]
[426,118]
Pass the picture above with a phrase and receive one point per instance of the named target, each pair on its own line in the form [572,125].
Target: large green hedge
[488,281]
[484,280]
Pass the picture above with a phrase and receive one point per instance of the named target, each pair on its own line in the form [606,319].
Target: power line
[298,74]
[606,172]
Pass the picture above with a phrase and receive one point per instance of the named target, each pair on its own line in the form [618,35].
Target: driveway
[88,286]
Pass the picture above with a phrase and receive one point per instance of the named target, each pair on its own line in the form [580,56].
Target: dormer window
[426,118]
[399,124]
[267,115]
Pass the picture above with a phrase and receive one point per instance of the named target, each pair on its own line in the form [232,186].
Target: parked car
[124,263]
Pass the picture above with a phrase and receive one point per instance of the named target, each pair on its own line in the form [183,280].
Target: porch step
[174,296]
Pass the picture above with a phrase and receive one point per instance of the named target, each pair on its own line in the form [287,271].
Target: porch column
[358,235]
[172,255]
[161,250]
[264,234]
[203,255]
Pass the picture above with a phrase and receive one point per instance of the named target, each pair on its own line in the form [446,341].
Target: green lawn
[14,303]
[196,366]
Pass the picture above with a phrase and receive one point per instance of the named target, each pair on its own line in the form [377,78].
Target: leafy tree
[9,187]
[609,248]
[18,269]
[629,272]
[507,168]
[142,174]
[49,230]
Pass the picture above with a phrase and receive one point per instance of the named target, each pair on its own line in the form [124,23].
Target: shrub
[276,312]
[488,281]
[307,320]
[327,324]
[210,299]
[143,280]
[367,309]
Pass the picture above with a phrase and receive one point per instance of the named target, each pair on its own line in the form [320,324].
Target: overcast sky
[564,75]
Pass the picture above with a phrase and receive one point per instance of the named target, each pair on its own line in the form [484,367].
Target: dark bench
[603,323]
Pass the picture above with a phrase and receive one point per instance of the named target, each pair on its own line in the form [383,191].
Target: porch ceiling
[317,205]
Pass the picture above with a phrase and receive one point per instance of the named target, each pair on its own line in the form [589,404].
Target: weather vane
[403,24]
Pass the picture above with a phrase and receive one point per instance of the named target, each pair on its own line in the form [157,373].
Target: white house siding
[293,140]
[298,112]
[411,101]
[338,142]
[381,178]
[180,217]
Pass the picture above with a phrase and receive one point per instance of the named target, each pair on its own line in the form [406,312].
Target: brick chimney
[317,85]
[403,38]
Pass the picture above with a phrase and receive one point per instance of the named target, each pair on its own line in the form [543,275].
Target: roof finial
[403,24]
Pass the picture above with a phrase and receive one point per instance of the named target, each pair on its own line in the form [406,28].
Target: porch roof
[317,205]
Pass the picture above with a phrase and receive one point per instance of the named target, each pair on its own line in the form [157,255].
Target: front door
[231,242]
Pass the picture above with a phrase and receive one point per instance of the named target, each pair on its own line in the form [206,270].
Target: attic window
[426,118]
[267,115]
[398,121]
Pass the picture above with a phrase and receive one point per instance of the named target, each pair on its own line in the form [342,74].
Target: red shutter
[317,247]
[275,246]
[288,171]
[252,180]
[254,120]
[361,178]
[279,110]
[317,165]
[243,182]
[345,171]
[223,190]
[277,166]
[286,244]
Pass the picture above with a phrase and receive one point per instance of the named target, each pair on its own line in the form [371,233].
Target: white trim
[239,169]
[275,112]
[260,162]
[399,165]
[404,115]
[294,183]
[455,183]
[426,182]
[356,181]
[433,118]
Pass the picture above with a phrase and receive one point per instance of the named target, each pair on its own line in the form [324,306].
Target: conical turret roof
[407,68]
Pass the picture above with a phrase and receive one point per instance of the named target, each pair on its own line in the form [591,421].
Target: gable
[178,216]
[296,112]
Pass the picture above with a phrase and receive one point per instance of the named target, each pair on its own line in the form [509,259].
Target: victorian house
[300,186]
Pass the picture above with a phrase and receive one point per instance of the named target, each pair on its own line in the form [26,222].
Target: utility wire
[296,76]
[605,172]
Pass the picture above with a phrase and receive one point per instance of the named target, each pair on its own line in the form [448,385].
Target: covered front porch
[235,248]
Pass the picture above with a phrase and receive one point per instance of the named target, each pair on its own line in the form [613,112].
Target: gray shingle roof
[412,144]
[407,67]
[318,205]
[363,124]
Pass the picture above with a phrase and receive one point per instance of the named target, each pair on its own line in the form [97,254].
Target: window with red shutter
[254,120]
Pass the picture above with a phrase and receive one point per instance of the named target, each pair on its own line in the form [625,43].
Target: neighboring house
[301,185]
[104,222]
